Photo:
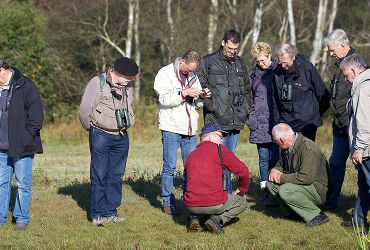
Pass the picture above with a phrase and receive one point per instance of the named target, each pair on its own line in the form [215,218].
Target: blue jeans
[108,162]
[337,163]
[363,200]
[22,169]
[171,142]
[268,154]
[230,139]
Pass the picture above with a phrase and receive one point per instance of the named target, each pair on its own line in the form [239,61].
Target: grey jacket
[358,110]
[98,107]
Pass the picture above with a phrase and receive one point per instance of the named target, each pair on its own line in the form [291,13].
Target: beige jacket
[98,107]
[175,115]
[359,111]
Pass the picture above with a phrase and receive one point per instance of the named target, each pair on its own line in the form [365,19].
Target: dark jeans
[108,162]
[363,200]
[337,163]
[230,139]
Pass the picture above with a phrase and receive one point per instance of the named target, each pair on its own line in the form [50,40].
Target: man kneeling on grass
[300,178]
[205,193]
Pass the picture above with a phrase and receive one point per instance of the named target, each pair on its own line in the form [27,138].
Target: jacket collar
[360,79]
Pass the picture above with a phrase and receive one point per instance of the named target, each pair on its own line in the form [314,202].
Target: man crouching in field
[300,178]
[205,193]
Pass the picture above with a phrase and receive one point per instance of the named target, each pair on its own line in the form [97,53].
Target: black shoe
[213,225]
[321,218]
[193,224]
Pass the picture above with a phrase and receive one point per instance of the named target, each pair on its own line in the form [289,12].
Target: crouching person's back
[204,196]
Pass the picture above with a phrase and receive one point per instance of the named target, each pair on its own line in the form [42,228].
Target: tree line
[62,44]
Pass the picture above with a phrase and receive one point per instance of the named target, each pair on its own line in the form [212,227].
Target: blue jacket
[260,120]
[310,98]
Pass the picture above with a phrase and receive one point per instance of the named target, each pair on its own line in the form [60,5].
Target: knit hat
[126,66]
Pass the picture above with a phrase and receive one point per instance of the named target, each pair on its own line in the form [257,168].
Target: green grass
[59,218]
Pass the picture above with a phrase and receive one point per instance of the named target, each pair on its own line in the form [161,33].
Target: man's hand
[192,92]
[237,192]
[275,175]
[357,157]
[205,93]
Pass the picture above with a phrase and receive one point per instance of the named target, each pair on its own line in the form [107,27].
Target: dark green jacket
[305,165]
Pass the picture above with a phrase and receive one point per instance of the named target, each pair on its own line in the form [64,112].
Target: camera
[238,100]
[122,118]
[333,88]
[287,92]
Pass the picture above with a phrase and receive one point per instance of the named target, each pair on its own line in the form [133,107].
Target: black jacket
[340,91]
[228,81]
[310,98]
[26,114]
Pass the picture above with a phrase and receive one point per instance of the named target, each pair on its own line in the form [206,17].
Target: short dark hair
[4,64]
[191,56]
[232,35]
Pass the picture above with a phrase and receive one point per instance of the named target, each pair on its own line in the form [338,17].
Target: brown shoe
[349,224]
[170,210]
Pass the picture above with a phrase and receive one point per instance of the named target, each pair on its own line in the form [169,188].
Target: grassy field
[59,210]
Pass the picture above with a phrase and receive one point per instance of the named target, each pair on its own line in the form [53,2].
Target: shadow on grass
[150,189]
[80,192]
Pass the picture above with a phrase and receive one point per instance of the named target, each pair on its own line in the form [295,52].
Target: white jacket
[359,111]
[173,114]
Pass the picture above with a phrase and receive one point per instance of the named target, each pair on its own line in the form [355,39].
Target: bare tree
[130,27]
[137,49]
[330,29]
[283,31]
[320,26]
[172,29]
[257,22]
[291,22]
[212,25]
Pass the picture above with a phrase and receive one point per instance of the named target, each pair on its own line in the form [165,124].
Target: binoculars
[287,92]
[122,118]
[238,100]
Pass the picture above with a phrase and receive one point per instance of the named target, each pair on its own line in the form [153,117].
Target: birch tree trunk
[172,29]
[332,16]
[212,26]
[291,22]
[257,22]
[283,31]
[320,26]
[130,27]
[137,50]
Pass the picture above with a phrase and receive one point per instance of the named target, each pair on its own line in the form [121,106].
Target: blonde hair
[261,48]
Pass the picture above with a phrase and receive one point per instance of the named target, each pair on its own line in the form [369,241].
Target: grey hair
[338,36]
[354,61]
[282,131]
[286,48]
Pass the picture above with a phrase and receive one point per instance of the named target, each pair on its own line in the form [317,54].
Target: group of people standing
[282,101]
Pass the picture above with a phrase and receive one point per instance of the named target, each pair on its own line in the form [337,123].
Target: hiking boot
[115,219]
[20,227]
[213,225]
[321,218]
[170,210]
[193,224]
[99,221]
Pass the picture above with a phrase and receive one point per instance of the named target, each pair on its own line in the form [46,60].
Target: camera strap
[222,166]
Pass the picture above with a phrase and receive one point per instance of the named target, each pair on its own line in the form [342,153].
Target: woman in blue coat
[260,119]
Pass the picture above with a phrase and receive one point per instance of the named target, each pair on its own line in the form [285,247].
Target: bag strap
[102,81]
[222,166]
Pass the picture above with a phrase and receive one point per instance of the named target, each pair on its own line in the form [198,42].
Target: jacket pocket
[28,142]
[104,117]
